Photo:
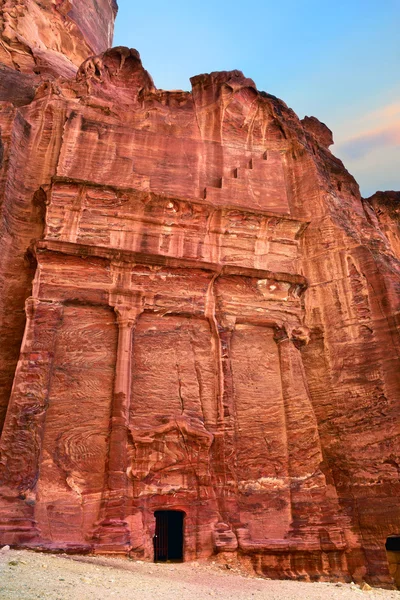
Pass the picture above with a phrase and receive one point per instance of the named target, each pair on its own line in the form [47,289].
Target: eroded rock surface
[212,321]
[54,36]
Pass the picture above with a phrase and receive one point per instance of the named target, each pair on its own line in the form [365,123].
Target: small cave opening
[392,546]
[168,538]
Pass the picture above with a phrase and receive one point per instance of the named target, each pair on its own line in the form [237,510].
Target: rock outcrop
[54,36]
[212,326]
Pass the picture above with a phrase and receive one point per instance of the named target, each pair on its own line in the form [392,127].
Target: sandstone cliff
[54,36]
[212,325]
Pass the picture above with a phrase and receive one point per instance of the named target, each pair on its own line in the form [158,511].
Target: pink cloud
[386,112]
[359,146]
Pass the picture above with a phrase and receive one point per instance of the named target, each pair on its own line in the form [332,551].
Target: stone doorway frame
[169,536]
[392,547]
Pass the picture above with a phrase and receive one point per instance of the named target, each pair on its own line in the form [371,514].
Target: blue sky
[338,61]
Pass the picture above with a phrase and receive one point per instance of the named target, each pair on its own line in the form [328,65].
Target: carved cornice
[134,258]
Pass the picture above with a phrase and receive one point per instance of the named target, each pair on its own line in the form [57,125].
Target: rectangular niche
[72,469]
[261,437]
[173,405]
[173,370]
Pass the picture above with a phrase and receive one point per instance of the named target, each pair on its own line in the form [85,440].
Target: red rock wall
[73,458]
[54,36]
[39,41]
[213,328]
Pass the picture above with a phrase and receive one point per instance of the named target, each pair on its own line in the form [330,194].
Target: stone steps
[258,186]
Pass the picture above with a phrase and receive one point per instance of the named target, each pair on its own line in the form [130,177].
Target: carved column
[113,533]
[21,442]
[226,445]
[226,328]
[304,446]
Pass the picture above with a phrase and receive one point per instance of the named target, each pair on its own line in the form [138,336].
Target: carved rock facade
[212,319]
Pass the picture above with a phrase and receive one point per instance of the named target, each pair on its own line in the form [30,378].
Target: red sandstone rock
[319,130]
[212,327]
[54,36]
[383,211]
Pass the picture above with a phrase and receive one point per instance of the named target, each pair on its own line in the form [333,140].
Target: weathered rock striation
[212,322]
[54,36]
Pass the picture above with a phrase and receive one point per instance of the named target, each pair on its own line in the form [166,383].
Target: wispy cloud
[366,142]
[377,129]
[384,113]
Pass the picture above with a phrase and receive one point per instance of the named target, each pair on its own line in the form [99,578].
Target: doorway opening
[168,539]
[393,555]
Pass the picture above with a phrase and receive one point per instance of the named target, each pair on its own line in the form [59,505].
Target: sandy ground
[31,576]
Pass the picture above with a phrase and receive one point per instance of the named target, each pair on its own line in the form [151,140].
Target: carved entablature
[244,295]
[150,224]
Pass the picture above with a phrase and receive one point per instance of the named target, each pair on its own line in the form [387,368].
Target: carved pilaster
[21,441]
[227,478]
[225,330]
[113,533]
[304,447]
[222,328]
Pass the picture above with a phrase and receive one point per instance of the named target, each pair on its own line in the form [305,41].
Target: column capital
[298,334]
[32,304]
[127,315]
[226,322]
[280,334]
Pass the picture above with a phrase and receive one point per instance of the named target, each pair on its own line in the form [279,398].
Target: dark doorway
[393,555]
[168,540]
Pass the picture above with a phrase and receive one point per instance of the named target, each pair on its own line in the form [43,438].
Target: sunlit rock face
[211,326]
